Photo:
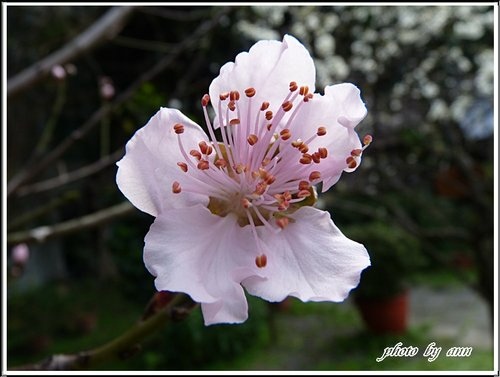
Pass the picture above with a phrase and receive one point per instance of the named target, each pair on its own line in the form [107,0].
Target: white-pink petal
[310,259]
[149,167]
[269,67]
[348,98]
[191,250]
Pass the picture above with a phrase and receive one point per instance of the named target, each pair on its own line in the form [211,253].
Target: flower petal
[149,167]
[310,259]
[269,67]
[348,97]
[204,255]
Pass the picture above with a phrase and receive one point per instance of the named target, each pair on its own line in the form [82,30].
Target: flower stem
[122,347]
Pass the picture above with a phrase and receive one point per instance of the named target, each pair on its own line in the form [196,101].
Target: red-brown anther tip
[203,165]
[178,128]
[282,222]
[287,106]
[303,193]
[323,152]
[250,92]
[304,90]
[176,187]
[183,166]
[231,105]
[195,153]
[234,95]
[321,131]
[306,159]
[293,86]
[264,106]
[351,162]
[285,134]
[220,163]
[223,96]
[303,148]
[245,203]
[316,157]
[261,261]
[234,122]
[252,139]
[269,115]
[367,139]
[314,176]
[205,100]
[304,185]
[356,152]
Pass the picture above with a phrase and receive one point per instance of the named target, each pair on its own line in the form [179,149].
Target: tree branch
[121,347]
[26,174]
[102,30]
[43,233]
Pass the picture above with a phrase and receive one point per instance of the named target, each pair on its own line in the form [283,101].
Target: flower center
[258,171]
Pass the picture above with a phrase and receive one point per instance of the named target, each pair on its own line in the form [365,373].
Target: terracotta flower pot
[385,315]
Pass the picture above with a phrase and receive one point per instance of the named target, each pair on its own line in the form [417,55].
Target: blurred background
[83,79]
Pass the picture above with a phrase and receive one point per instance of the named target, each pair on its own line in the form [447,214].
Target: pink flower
[237,213]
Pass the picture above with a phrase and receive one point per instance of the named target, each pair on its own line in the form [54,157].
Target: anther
[315,175]
[303,148]
[260,188]
[245,203]
[367,140]
[183,166]
[203,165]
[285,134]
[264,106]
[304,90]
[269,115]
[323,152]
[287,105]
[234,122]
[178,128]
[282,222]
[250,92]
[270,179]
[240,168]
[266,161]
[196,154]
[205,100]
[234,95]
[321,131]
[204,147]
[252,139]
[303,194]
[306,159]
[223,96]
[308,97]
[261,261]
[304,185]
[297,143]
[220,163]
[356,152]
[176,187]
[231,105]
[316,157]
[293,86]
[351,162]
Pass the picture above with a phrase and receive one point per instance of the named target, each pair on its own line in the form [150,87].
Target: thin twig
[121,347]
[102,30]
[29,173]
[42,233]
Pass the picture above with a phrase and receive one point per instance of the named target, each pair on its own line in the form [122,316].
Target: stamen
[304,185]
[269,115]
[282,222]
[315,175]
[250,92]
[176,187]
[367,140]
[321,131]
[196,154]
[356,152]
[285,134]
[223,96]
[287,105]
[245,203]
[178,128]
[265,106]
[323,152]
[261,261]
[293,86]
[220,163]
[252,139]
[234,122]
[205,100]
[351,162]
[234,95]
[306,159]
[203,165]
[303,193]
[183,166]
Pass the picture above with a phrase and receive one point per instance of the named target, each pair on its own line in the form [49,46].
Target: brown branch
[123,346]
[93,121]
[42,233]
[75,175]
[102,30]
